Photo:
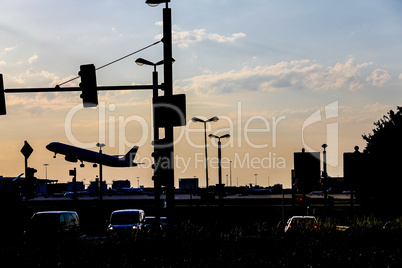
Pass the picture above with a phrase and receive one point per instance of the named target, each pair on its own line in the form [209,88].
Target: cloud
[379,77]
[184,38]
[34,78]
[305,74]
[33,58]
[340,75]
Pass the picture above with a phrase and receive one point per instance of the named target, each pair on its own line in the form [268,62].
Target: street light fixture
[154,3]
[141,62]
[212,119]
[220,186]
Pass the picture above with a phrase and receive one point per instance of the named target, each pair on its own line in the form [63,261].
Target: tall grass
[259,244]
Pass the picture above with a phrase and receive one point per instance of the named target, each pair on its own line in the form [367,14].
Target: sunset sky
[280,75]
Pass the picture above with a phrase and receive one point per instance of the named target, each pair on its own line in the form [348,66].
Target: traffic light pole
[168,91]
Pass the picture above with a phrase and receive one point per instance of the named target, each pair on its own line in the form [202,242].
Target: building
[188,183]
[79,184]
[120,184]
[93,188]
[306,175]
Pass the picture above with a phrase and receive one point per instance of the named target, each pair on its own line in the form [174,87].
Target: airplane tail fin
[131,154]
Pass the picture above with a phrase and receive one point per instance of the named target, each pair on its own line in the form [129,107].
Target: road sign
[26,150]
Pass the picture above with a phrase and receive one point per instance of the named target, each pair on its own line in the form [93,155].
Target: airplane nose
[50,146]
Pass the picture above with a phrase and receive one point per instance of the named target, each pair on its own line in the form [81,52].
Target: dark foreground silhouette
[365,244]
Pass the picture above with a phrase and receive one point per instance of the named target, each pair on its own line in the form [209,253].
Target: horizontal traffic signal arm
[71,89]
[64,89]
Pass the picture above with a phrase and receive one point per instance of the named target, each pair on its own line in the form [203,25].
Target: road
[187,197]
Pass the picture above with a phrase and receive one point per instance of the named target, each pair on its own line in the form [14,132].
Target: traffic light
[170,111]
[2,97]
[162,160]
[88,85]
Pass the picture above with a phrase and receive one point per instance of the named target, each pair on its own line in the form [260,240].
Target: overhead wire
[112,62]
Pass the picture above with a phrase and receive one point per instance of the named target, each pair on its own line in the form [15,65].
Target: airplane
[75,154]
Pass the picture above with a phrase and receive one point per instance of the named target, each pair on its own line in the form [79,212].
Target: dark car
[126,220]
[301,224]
[54,225]
[152,224]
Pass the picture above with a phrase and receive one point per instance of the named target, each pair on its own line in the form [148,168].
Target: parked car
[301,224]
[151,224]
[126,220]
[54,225]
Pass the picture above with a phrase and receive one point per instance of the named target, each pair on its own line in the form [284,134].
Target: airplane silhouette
[75,154]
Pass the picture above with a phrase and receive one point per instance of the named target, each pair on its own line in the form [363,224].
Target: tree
[386,139]
[384,146]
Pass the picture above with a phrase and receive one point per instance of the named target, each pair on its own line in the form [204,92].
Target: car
[301,224]
[126,220]
[54,225]
[151,224]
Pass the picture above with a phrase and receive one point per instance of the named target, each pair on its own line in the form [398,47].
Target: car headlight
[110,228]
[135,227]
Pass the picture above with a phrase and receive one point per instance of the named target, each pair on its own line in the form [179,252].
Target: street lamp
[141,62]
[219,158]
[212,119]
[100,145]
[154,3]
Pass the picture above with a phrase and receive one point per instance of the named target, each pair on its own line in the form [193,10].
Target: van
[54,224]
[126,220]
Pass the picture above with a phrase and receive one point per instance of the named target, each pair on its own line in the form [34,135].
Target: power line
[110,63]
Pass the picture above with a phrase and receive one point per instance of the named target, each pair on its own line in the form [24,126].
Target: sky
[280,75]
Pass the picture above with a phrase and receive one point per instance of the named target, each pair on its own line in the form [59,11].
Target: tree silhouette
[386,139]
[384,147]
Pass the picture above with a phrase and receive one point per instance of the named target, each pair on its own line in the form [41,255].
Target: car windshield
[303,223]
[125,218]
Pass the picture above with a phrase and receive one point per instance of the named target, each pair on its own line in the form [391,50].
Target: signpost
[26,150]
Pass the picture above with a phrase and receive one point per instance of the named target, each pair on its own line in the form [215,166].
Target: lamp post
[100,145]
[212,119]
[220,185]
[255,179]
[324,173]
[141,62]
[231,173]
[168,91]
[46,165]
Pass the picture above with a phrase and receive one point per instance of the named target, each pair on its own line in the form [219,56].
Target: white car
[301,224]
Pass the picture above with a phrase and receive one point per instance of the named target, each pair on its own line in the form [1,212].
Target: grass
[364,244]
